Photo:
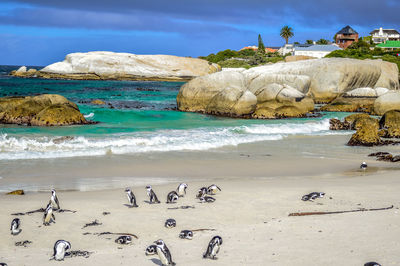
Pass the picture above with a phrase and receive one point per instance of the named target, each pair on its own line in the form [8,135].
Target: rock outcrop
[232,93]
[390,124]
[42,110]
[366,134]
[125,66]
[386,102]
[98,102]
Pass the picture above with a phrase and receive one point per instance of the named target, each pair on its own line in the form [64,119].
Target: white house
[382,35]
[286,49]
[316,50]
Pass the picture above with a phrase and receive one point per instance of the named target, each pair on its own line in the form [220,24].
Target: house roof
[319,48]
[347,30]
[388,31]
[389,44]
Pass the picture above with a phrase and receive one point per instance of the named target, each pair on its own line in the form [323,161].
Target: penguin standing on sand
[212,190]
[54,200]
[202,192]
[151,250]
[152,195]
[131,197]
[182,189]
[163,253]
[172,197]
[15,230]
[48,216]
[60,248]
[213,248]
[363,166]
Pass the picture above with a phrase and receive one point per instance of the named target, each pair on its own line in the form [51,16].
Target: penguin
[131,197]
[54,200]
[202,192]
[213,248]
[152,195]
[48,216]
[212,190]
[363,166]
[151,250]
[172,197]
[182,189]
[169,223]
[124,240]
[186,234]
[163,253]
[3,264]
[60,248]
[207,199]
[372,263]
[15,224]
[313,196]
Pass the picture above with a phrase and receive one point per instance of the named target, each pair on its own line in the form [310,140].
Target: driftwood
[203,229]
[94,223]
[109,233]
[23,243]
[41,210]
[337,212]
[181,207]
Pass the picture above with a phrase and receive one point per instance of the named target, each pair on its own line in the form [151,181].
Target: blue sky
[40,32]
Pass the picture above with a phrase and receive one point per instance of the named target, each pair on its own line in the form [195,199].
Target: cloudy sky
[39,32]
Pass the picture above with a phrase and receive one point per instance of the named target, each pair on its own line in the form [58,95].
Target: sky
[41,32]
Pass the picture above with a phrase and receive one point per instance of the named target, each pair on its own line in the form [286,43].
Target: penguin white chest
[162,256]
[60,252]
[215,250]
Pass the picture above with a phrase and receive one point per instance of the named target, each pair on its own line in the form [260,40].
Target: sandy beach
[250,213]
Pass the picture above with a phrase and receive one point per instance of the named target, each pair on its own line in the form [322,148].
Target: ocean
[139,117]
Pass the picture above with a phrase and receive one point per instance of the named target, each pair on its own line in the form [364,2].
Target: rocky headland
[41,110]
[122,66]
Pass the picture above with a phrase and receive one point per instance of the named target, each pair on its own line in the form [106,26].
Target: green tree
[309,42]
[322,41]
[286,33]
[261,47]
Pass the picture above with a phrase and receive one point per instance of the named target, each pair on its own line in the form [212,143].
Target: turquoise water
[139,117]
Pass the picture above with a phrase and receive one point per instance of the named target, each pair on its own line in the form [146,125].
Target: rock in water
[42,110]
[366,134]
[98,102]
[386,102]
[390,123]
[16,192]
[125,66]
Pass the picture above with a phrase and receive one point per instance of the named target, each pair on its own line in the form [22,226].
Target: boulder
[386,102]
[355,120]
[294,58]
[16,192]
[390,123]
[366,134]
[42,110]
[125,66]
[350,104]
[231,93]
[336,124]
[98,102]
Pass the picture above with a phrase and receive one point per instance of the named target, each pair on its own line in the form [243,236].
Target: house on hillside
[389,45]
[346,36]
[255,48]
[316,50]
[383,35]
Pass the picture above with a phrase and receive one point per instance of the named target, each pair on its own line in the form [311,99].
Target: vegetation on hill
[362,50]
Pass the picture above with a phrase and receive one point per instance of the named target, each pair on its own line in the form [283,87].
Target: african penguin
[163,253]
[363,166]
[212,190]
[372,263]
[131,197]
[172,197]
[48,216]
[60,248]
[213,248]
[151,250]
[124,240]
[313,196]
[3,264]
[186,234]
[15,224]
[54,200]
[169,223]
[202,192]
[207,199]
[152,195]
[181,189]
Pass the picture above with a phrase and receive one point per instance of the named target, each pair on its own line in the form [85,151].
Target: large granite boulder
[390,124]
[125,66]
[386,102]
[232,93]
[41,110]
[366,134]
